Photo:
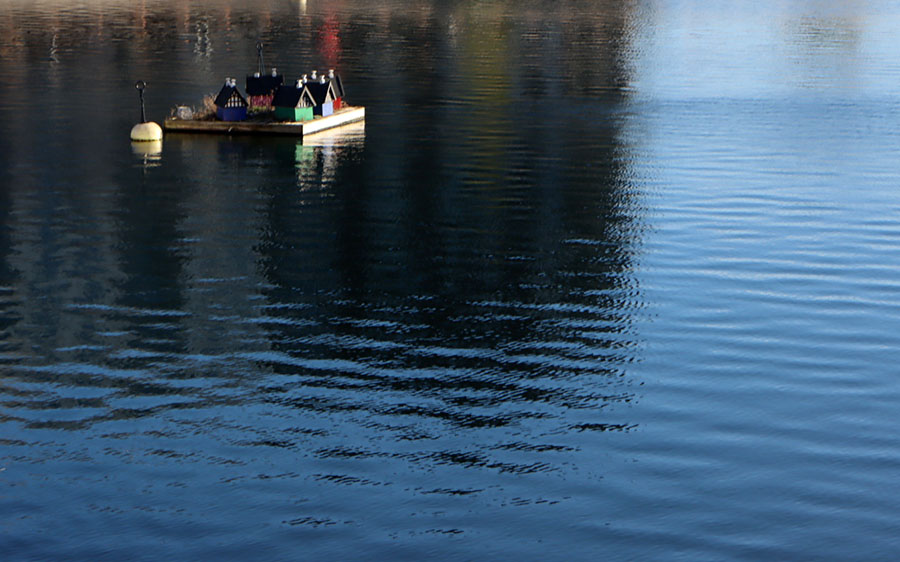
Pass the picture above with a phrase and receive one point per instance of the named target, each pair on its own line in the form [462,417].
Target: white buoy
[145,131]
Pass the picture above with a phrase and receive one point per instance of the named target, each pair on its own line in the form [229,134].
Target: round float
[146,132]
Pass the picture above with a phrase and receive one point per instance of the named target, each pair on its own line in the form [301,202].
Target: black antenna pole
[140,85]
[262,67]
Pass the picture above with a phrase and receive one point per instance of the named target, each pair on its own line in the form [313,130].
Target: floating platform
[266,125]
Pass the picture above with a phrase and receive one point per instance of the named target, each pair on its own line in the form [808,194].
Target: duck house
[230,104]
[338,86]
[324,95]
[294,103]
[261,89]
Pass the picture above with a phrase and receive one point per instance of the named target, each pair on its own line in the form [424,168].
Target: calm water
[595,280]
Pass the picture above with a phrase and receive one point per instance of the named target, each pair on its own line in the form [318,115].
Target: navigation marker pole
[145,131]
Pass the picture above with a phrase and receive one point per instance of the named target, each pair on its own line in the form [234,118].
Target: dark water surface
[595,280]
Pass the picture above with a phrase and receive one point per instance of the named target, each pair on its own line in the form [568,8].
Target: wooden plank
[267,127]
[343,116]
[233,127]
[337,135]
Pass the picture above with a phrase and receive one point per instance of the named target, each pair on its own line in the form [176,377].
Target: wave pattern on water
[597,280]
[340,395]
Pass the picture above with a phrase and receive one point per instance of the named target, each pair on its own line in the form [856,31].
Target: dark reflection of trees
[148,216]
[9,316]
[484,219]
[477,253]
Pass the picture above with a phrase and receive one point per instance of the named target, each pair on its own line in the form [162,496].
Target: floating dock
[267,125]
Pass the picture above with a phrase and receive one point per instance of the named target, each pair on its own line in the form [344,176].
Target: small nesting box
[230,104]
[261,89]
[324,95]
[338,89]
[294,102]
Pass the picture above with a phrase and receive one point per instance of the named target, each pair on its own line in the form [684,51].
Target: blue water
[594,281]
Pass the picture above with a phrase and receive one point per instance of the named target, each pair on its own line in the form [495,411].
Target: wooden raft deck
[266,125]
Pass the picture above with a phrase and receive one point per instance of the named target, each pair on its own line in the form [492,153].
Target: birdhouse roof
[338,86]
[263,85]
[226,93]
[322,93]
[291,96]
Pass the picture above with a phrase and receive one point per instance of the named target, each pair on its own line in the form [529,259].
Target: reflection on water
[825,51]
[202,44]
[318,155]
[376,312]
[150,152]
[578,284]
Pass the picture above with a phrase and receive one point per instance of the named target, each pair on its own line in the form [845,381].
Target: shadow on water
[471,273]
[471,250]
[10,346]
[448,287]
